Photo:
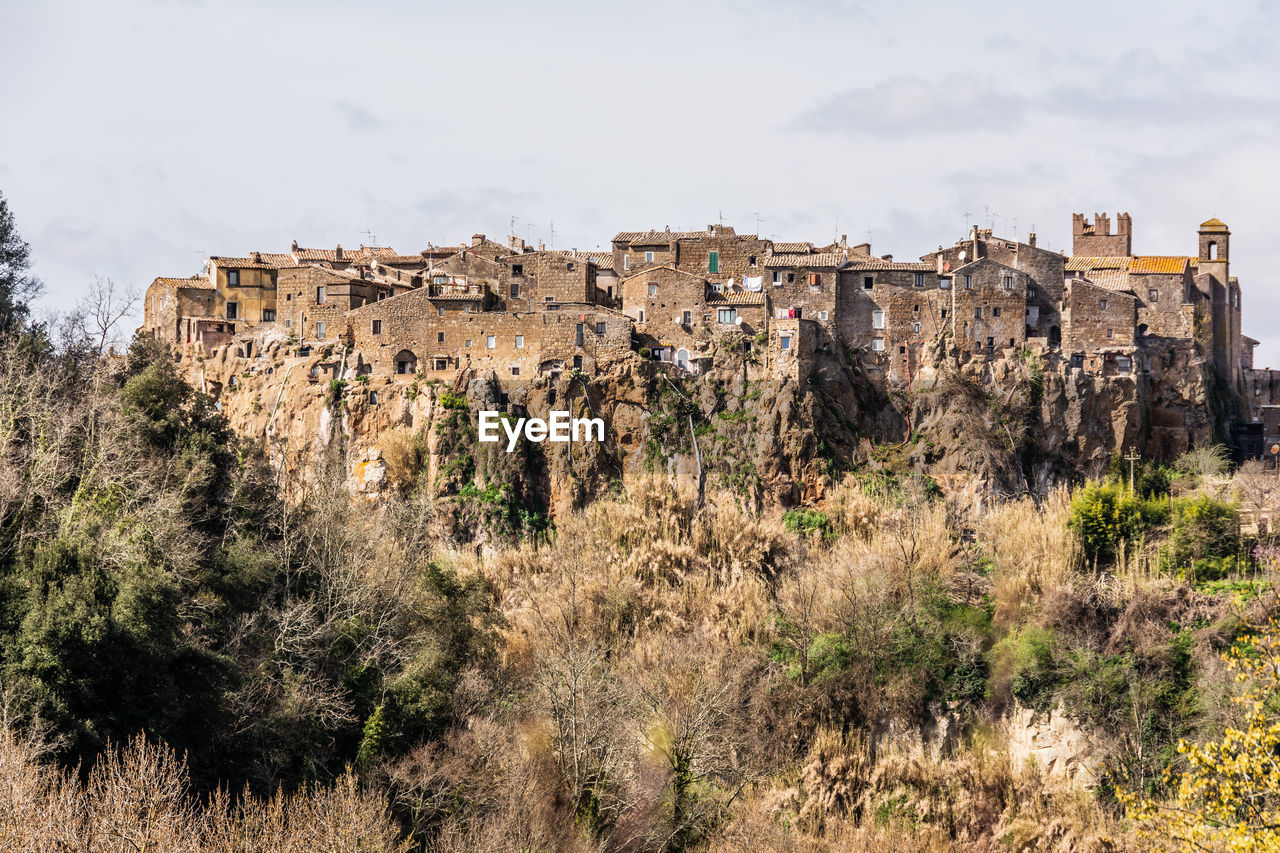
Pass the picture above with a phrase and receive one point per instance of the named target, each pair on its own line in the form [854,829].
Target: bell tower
[1215,239]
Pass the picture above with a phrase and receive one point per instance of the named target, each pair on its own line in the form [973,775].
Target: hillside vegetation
[201,652]
[656,672]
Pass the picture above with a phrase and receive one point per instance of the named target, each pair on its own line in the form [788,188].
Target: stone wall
[1098,319]
[988,307]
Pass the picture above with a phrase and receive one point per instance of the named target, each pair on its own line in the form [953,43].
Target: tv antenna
[373,238]
[967,215]
[758,221]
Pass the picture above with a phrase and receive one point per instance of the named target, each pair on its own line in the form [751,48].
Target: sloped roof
[800,248]
[1117,280]
[650,270]
[1118,288]
[825,259]
[868,263]
[602,260]
[1084,263]
[259,260]
[655,238]
[1159,264]
[1214,224]
[198,282]
[735,298]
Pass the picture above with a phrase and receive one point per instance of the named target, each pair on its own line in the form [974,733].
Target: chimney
[337,253]
[844,238]
[476,240]
[295,246]
[542,247]
[886,257]
[257,257]
[1031,240]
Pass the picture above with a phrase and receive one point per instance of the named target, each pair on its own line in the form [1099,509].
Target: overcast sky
[138,137]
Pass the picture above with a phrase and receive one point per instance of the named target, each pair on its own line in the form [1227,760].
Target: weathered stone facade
[522,312]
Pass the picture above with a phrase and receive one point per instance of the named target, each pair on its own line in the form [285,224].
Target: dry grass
[1032,552]
[138,799]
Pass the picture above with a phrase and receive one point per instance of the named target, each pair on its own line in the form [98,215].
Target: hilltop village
[521,314]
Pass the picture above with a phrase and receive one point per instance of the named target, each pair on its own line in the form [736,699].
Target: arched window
[1213,250]
[406,363]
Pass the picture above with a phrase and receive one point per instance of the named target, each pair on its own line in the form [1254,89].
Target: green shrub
[806,521]
[1205,537]
[1026,663]
[1105,514]
[457,402]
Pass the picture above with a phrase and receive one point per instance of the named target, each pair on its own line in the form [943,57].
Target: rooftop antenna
[758,221]
[373,239]
[514,220]
[721,217]
[1015,229]
[552,242]
[967,214]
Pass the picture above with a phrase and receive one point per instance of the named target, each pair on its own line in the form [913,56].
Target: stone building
[522,312]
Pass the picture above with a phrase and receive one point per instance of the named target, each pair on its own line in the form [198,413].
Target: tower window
[1213,250]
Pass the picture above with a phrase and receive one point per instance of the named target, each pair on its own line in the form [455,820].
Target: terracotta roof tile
[258,260]
[1214,224]
[800,248]
[1117,280]
[827,259]
[860,263]
[197,282]
[1160,264]
[655,238]
[735,298]
[1084,263]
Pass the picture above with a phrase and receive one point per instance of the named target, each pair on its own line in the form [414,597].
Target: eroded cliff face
[1009,425]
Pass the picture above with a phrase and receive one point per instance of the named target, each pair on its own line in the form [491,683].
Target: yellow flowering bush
[1228,799]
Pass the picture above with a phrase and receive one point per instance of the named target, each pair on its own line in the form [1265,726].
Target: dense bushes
[1105,515]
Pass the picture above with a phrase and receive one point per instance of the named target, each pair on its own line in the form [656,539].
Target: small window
[548,298]
[648,257]
[1153,295]
[791,278]
[919,279]
[815,280]
[1008,282]
[439,337]
[653,289]
[569,266]
[868,282]
[233,278]
[515,370]
[713,261]
[944,283]
[877,344]
[288,324]
[641,315]
[440,364]
[687,318]
[376,327]
[268,315]
[944,313]
[233,310]
[373,398]
[727,315]
[515,289]
[822,315]
[995,312]
[915,309]
[577,362]
[517,269]
[1102,303]
[626,262]
[784,342]
[751,261]
[777,279]
[578,339]
[320,295]
[320,331]
[915,328]
[877,319]
[1031,293]
[491,341]
[288,297]
[1110,334]
[467,344]
[519,341]
[977,313]
[600,327]
[968,282]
